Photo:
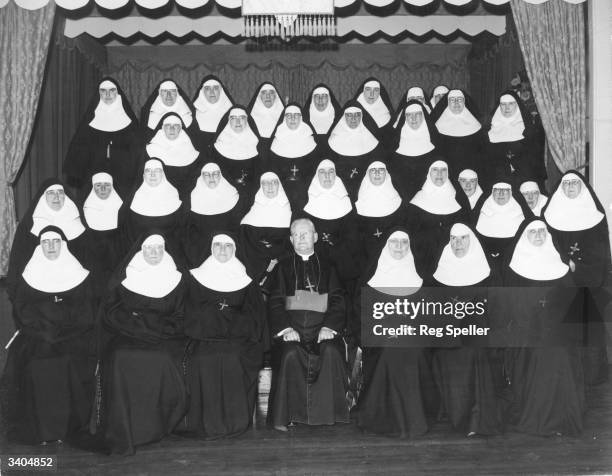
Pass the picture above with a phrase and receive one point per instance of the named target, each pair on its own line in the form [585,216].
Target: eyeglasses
[55,193]
[215,175]
[293,116]
[456,100]
[572,182]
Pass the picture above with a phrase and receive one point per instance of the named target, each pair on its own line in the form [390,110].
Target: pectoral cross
[242,178]
[56,299]
[223,305]
[294,171]
[543,302]
[378,233]
[310,286]
[510,155]
[354,172]
[327,239]
[108,149]
[574,249]
[266,243]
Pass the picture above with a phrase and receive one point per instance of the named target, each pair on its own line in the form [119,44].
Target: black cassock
[226,353]
[543,360]
[49,376]
[143,379]
[309,378]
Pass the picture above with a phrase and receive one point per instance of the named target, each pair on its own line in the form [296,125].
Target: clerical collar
[305,257]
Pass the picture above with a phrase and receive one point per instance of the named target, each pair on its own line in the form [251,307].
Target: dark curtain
[73,71]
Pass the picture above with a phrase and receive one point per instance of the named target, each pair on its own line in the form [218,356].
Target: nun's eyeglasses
[176,127]
[536,231]
[55,193]
[320,97]
[157,249]
[456,100]
[216,88]
[414,115]
[501,191]
[378,171]
[168,91]
[572,182]
[215,175]
[108,91]
[467,180]
[153,171]
[237,118]
[293,116]
[352,115]
[399,242]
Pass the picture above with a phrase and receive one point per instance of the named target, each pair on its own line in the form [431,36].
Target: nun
[321,110]
[379,208]
[174,146]
[415,93]
[512,148]
[266,108]
[462,138]
[353,145]
[224,319]
[463,373]
[398,389]
[578,222]
[211,103]
[534,198]
[498,216]
[374,99]
[433,210]
[214,204]
[547,391]
[166,97]
[51,206]
[155,205]
[293,154]
[414,148]
[49,376]
[264,230]
[437,94]
[101,216]
[237,150]
[109,136]
[144,394]
[331,211]
[468,181]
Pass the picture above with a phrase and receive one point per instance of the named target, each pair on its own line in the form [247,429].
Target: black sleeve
[335,317]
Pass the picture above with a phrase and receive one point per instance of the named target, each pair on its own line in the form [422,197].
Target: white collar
[438,200]
[506,129]
[327,203]
[378,110]
[293,143]
[101,215]
[377,200]
[321,120]
[351,142]
[110,118]
[179,152]
[415,142]
[499,221]
[156,201]
[457,125]
[213,201]
[67,218]
[209,115]
[567,214]
[237,146]
[269,212]
[159,109]
[223,277]
[266,118]
[154,281]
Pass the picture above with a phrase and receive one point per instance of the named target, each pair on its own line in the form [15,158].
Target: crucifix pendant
[223,305]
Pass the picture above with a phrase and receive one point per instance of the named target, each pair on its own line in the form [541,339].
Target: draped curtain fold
[552,39]
[24,42]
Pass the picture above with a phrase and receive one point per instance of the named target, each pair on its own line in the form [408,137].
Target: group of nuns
[139,284]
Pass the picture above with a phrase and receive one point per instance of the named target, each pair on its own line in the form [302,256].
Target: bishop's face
[212,179]
[456,104]
[103,189]
[371,94]
[531,198]
[571,187]
[223,251]
[414,119]
[108,95]
[293,120]
[270,188]
[398,247]
[377,175]
[353,119]
[168,96]
[212,93]
[238,123]
[537,236]
[501,195]
[51,248]
[327,177]
[438,175]
[55,199]
[320,101]
[468,185]
[303,237]
[508,108]
[460,244]
[172,131]
[153,176]
[268,96]
[153,254]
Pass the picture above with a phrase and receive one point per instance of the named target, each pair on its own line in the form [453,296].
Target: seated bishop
[306,310]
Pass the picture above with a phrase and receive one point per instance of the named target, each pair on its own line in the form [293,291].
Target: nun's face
[293,120]
[460,244]
[153,176]
[238,123]
[303,237]
[353,119]
[371,94]
[223,251]
[414,119]
[168,96]
[51,248]
[320,101]
[468,185]
[212,93]
[270,187]
[108,95]
[377,175]
[172,131]
[153,254]
[438,175]
[456,104]
[571,187]
[212,179]
[55,199]
[537,236]
[508,108]
[501,195]
[268,96]
[531,198]
[398,247]
[326,177]
[103,189]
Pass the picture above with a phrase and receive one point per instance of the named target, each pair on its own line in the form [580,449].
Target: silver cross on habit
[574,249]
[266,243]
[378,233]
[354,172]
[56,299]
[242,178]
[310,286]
[294,171]
[327,239]
[543,302]
[223,305]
